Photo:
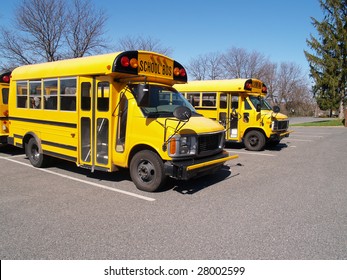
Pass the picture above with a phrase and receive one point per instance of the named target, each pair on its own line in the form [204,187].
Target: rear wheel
[254,140]
[32,150]
[147,171]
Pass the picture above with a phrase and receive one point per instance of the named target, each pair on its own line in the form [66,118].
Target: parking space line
[253,153]
[82,181]
[302,140]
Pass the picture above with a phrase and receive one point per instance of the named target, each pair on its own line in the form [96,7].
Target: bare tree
[287,85]
[197,68]
[48,30]
[238,63]
[85,29]
[143,43]
[206,67]
[43,21]
[235,61]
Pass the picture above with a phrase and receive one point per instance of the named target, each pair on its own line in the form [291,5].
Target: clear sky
[276,28]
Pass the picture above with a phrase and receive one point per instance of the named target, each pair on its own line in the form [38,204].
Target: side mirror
[258,108]
[182,113]
[276,109]
[142,95]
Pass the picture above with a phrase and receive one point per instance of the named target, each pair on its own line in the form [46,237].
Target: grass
[334,122]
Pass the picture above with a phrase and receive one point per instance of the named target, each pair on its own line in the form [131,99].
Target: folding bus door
[94,123]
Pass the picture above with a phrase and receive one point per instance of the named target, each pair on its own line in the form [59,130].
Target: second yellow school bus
[114,110]
[240,105]
[4,92]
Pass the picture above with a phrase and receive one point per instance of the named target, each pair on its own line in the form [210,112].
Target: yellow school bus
[114,110]
[4,91]
[240,106]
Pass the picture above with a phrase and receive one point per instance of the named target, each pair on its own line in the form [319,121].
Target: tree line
[49,30]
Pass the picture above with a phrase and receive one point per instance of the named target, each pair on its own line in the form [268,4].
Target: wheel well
[253,128]
[27,138]
[138,148]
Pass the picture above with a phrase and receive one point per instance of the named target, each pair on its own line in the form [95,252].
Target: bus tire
[147,171]
[254,140]
[32,150]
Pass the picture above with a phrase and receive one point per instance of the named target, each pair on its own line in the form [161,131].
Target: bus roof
[107,64]
[231,85]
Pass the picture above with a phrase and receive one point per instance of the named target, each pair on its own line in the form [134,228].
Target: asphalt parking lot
[289,202]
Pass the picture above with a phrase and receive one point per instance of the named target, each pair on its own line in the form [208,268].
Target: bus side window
[209,99]
[50,94]
[5,95]
[223,101]
[22,91]
[68,94]
[85,96]
[194,98]
[35,94]
[103,96]
[234,102]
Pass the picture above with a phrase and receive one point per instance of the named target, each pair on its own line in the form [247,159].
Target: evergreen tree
[328,66]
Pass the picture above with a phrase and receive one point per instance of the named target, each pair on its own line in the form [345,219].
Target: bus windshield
[163,101]
[264,104]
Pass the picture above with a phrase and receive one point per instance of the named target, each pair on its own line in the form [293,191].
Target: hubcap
[146,171]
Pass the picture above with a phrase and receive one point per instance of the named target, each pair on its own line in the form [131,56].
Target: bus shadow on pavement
[197,184]
[118,176]
[10,150]
[241,146]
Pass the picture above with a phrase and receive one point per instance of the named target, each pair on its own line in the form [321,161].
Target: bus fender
[30,135]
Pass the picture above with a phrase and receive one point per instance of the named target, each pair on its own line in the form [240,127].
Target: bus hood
[197,125]
[277,116]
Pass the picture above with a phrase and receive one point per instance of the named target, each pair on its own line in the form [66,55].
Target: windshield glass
[264,104]
[163,101]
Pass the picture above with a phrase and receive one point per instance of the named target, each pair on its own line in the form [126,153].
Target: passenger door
[94,123]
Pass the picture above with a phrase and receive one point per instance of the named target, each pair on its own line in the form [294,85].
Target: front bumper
[186,169]
[279,136]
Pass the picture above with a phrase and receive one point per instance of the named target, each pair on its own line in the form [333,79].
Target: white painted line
[295,139]
[316,136]
[82,181]
[318,133]
[253,153]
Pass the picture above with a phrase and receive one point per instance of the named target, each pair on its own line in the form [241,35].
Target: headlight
[180,146]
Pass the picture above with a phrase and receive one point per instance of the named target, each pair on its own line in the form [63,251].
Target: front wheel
[147,171]
[254,140]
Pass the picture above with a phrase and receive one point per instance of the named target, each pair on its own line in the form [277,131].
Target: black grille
[209,142]
[281,125]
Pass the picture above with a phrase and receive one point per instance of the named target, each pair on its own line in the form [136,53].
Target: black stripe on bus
[62,124]
[49,153]
[58,145]
[205,108]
